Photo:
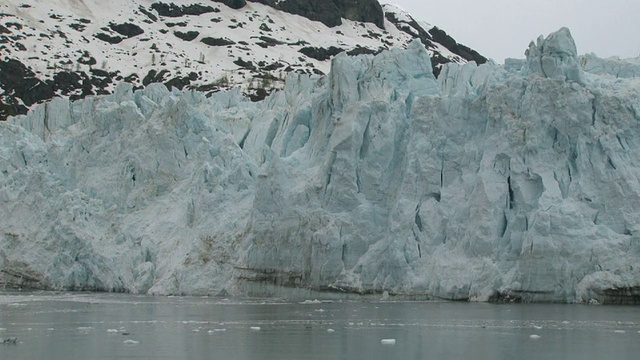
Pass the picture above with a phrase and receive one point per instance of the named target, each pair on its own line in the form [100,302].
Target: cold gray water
[97,326]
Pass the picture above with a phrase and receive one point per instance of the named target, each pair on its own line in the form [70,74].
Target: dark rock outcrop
[128,30]
[154,76]
[245,64]
[186,36]
[361,10]
[319,53]
[173,10]
[447,41]
[359,50]
[22,88]
[234,4]
[331,12]
[266,42]
[180,82]
[211,41]
[148,13]
[428,38]
[108,38]
[20,83]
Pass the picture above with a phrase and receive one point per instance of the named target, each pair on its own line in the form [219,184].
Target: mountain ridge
[73,49]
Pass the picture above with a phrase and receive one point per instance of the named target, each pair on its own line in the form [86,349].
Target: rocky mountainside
[510,183]
[76,48]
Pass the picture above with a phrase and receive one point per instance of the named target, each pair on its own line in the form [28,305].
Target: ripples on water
[96,326]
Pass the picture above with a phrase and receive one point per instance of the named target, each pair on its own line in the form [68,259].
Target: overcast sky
[503,28]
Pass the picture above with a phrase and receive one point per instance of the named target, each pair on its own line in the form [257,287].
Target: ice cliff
[518,182]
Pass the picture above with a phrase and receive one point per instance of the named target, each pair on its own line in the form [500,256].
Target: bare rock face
[331,13]
[363,10]
[234,4]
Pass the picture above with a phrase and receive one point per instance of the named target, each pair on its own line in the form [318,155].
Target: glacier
[490,183]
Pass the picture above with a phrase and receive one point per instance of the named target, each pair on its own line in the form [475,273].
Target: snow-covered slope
[77,48]
[487,183]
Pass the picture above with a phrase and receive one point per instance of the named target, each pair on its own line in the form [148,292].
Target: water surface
[107,326]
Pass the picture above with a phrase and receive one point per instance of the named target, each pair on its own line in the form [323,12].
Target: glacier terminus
[490,183]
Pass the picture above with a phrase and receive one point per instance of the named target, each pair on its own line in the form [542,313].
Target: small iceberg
[535,337]
[388,341]
[315,301]
[330,330]
[11,340]
[255,328]
[131,342]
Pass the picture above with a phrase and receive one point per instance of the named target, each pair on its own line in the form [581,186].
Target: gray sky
[503,28]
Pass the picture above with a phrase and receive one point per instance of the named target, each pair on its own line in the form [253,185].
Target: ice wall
[517,183]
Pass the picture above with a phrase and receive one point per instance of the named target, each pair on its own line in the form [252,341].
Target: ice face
[555,56]
[486,184]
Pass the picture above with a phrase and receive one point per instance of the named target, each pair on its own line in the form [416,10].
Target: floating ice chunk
[11,340]
[537,327]
[330,330]
[319,310]
[619,331]
[131,342]
[315,301]
[255,328]
[112,330]
[388,341]
[535,337]
[212,331]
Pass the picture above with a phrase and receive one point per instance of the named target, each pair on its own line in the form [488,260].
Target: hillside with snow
[77,48]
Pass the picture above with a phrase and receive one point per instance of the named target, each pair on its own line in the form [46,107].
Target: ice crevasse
[490,183]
